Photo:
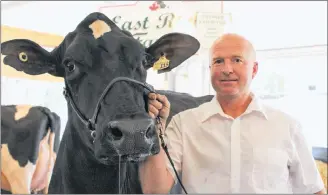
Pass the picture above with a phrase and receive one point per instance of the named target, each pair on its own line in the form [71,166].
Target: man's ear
[255,69]
[29,57]
[169,51]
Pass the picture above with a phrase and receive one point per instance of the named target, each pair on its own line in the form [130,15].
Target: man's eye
[219,61]
[237,60]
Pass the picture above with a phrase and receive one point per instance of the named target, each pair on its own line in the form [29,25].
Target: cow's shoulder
[195,112]
[181,102]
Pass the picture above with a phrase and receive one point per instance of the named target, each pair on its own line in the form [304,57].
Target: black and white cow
[109,129]
[29,145]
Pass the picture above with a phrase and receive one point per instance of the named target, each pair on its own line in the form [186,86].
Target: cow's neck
[84,172]
[78,129]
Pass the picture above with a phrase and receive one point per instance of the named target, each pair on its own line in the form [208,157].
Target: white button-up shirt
[262,151]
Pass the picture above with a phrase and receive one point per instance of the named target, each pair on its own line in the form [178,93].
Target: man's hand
[158,105]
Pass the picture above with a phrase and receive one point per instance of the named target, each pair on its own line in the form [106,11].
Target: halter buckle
[93,134]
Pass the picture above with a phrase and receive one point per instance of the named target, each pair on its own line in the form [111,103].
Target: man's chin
[228,93]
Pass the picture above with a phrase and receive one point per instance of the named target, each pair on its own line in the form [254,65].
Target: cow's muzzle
[127,140]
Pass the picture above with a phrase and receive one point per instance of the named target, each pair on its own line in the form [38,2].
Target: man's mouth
[229,80]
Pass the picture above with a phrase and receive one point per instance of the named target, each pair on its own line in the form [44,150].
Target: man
[233,144]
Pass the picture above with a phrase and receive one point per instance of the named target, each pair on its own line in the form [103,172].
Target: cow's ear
[169,51]
[29,57]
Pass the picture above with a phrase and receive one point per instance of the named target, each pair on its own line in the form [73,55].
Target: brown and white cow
[29,143]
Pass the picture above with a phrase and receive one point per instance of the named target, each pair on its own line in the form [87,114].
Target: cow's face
[89,59]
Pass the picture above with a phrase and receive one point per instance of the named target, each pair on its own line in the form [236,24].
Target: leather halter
[91,123]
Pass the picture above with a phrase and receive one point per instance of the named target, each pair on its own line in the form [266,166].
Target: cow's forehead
[95,34]
[84,47]
[98,24]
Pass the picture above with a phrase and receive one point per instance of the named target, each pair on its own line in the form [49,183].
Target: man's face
[233,66]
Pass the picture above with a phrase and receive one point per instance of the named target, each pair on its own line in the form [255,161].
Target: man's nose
[227,67]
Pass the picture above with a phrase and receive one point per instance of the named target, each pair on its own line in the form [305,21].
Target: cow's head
[89,58]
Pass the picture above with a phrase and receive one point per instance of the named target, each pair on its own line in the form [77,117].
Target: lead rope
[164,146]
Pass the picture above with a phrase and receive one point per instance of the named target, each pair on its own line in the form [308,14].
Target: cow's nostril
[117,134]
[149,132]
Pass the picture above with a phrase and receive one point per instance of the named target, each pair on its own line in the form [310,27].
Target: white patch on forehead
[99,28]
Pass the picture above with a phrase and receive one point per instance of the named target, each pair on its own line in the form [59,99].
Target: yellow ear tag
[161,63]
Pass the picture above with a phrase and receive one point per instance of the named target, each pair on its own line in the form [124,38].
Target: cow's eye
[70,66]
[72,69]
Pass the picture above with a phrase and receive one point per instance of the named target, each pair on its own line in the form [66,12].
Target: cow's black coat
[183,101]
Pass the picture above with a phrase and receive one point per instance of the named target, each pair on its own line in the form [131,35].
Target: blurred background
[290,38]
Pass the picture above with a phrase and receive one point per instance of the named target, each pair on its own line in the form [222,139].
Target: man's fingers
[151,115]
[163,100]
[158,105]
[152,96]
[153,110]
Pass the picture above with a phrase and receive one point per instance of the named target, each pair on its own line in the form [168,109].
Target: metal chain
[161,135]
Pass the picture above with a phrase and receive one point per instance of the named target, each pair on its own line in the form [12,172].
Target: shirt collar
[256,105]
[213,107]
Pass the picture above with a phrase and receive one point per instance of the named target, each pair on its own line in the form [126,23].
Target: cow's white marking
[18,177]
[99,28]
[22,111]
[5,185]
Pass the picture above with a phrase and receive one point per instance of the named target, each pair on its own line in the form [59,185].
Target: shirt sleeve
[174,145]
[304,174]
